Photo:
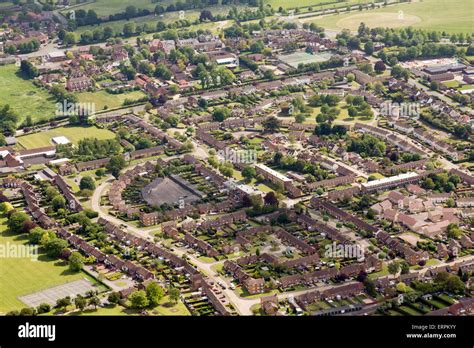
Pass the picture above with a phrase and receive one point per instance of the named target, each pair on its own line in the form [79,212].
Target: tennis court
[297,58]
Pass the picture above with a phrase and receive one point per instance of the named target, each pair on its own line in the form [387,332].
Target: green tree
[139,299]
[116,164]
[16,221]
[58,202]
[76,261]
[271,124]
[114,297]
[393,267]
[220,114]
[249,173]
[54,247]
[174,294]
[87,183]
[69,39]
[154,293]
[28,69]
[80,302]
[63,302]
[94,301]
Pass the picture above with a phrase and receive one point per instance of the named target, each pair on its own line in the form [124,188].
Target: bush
[43,308]
[27,312]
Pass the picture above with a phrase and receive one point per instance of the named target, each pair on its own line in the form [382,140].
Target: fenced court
[51,295]
[297,58]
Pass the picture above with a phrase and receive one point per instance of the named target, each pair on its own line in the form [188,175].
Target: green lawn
[74,134]
[466,87]
[167,17]
[115,311]
[164,308]
[454,16]
[243,293]
[22,276]
[381,273]
[102,99]
[451,83]
[6,3]
[107,7]
[305,3]
[23,96]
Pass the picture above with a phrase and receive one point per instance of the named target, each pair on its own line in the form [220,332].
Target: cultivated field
[454,16]
[22,276]
[23,96]
[74,134]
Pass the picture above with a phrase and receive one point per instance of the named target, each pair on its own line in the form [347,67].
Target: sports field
[453,16]
[74,134]
[22,276]
[23,96]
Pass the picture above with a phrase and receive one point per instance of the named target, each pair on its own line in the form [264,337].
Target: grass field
[24,97]
[165,307]
[306,3]
[453,16]
[74,134]
[5,4]
[22,276]
[107,7]
[167,17]
[451,83]
[102,99]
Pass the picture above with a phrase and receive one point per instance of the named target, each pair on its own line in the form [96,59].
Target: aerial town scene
[236,158]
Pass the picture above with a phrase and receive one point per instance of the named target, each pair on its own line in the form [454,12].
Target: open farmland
[428,14]
[25,98]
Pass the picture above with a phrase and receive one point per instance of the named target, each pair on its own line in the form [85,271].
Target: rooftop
[390,179]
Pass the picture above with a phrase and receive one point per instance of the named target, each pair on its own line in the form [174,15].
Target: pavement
[51,295]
